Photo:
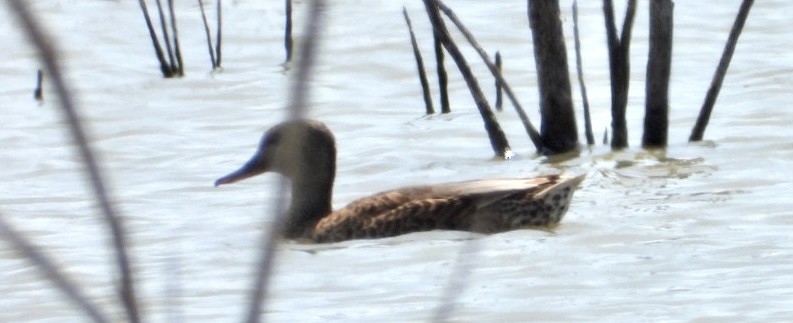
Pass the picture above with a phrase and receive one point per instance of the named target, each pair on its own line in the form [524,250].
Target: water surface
[695,232]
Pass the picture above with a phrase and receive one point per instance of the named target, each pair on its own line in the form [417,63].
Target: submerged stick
[177,50]
[218,38]
[299,93]
[166,37]
[498,141]
[499,92]
[64,283]
[590,138]
[288,31]
[530,130]
[51,63]
[425,85]
[209,38]
[38,92]
[443,78]
[721,71]
[164,67]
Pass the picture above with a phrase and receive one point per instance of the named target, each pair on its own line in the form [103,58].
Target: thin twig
[50,61]
[425,85]
[209,37]
[51,271]
[297,107]
[164,68]
[530,130]
[498,141]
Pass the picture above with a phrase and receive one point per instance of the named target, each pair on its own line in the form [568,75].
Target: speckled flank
[530,212]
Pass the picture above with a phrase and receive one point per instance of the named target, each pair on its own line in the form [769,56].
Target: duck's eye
[271,139]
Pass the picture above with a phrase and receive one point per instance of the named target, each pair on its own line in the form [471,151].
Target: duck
[304,151]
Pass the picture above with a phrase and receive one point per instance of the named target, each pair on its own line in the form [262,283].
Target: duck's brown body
[305,152]
[486,206]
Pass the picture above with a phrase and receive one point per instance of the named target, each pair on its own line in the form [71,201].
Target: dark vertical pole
[656,115]
[558,128]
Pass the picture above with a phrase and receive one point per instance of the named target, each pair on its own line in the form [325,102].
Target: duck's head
[299,149]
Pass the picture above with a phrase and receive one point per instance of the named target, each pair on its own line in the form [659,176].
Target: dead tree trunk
[656,115]
[558,128]
[619,63]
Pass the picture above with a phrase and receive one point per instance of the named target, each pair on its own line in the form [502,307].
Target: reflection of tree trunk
[558,128]
[619,50]
[718,78]
[656,116]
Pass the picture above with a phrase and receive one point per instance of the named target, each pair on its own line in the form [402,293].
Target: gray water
[695,232]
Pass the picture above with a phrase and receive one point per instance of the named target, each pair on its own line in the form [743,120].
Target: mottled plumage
[305,152]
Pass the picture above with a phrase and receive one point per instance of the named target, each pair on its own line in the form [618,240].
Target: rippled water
[693,232]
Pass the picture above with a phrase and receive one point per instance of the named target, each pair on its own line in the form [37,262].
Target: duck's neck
[311,201]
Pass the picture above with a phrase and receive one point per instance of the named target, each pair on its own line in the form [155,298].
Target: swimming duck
[305,152]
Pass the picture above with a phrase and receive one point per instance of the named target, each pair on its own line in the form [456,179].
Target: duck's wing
[412,216]
[483,192]
[486,192]
[382,202]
